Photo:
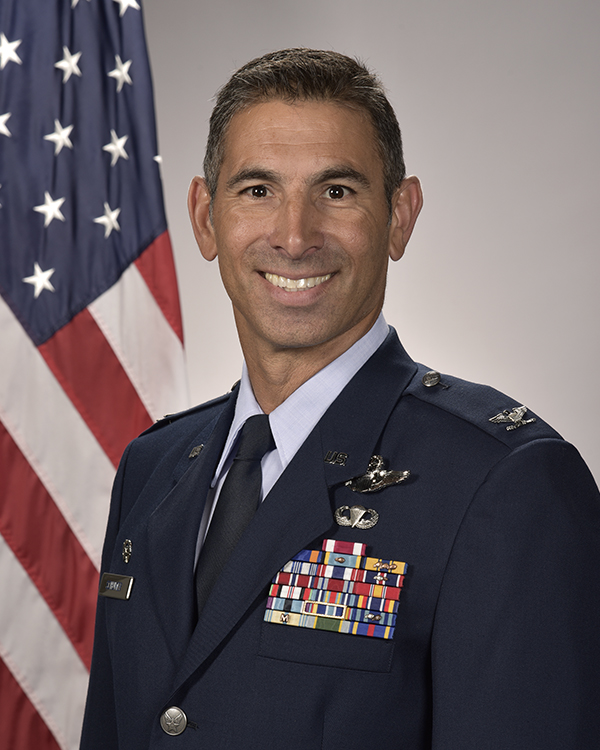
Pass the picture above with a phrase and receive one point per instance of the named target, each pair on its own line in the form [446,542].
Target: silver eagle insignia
[376,477]
[514,417]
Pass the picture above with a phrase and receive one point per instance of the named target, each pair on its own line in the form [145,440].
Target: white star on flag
[121,73]
[116,148]
[74,3]
[3,129]
[127,4]
[109,220]
[7,51]
[60,137]
[68,64]
[50,209]
[40,280]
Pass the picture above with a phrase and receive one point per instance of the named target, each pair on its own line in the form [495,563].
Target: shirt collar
[293,420]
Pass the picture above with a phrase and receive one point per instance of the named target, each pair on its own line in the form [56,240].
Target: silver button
[431,378]
[173,721]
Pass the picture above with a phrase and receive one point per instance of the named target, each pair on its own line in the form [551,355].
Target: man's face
[301,225]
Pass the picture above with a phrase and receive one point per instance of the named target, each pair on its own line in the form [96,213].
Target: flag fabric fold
[91,342]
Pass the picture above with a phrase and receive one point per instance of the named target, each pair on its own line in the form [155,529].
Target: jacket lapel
[285,521]
[172,531]
[298,509]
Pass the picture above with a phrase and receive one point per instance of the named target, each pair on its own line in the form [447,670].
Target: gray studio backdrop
[499,109]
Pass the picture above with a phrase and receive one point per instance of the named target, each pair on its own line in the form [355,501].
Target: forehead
[308,133]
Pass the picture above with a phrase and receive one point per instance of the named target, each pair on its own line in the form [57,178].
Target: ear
[407,202]
[199,208]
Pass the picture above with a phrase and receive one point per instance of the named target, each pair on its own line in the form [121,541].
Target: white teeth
[294,285]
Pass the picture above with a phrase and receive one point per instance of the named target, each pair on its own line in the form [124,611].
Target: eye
[336,192]
[258,191]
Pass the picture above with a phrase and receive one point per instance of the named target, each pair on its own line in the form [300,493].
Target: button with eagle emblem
[173,721]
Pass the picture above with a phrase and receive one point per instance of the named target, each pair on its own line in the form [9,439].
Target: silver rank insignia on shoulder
[376,477]
[514,417]
[356,516]
[126,552]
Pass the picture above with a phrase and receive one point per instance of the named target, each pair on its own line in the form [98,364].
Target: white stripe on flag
[146,345]
[53,436]
[38,653]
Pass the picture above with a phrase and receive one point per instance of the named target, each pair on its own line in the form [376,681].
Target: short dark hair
[303,75]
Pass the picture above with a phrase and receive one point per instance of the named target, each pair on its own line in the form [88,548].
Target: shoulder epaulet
[492,411]
[170,418]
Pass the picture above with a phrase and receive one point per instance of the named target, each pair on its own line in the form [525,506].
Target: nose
[296,229]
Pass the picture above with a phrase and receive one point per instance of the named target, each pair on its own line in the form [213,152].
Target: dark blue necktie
[237,502]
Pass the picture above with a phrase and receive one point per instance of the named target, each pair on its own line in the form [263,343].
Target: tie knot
[256,439]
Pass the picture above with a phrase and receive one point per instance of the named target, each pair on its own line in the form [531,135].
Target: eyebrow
[252,174]
[331,174]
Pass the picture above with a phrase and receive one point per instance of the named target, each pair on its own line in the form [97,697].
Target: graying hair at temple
[293,75]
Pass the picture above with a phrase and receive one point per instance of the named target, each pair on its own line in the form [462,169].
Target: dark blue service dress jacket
[497,637]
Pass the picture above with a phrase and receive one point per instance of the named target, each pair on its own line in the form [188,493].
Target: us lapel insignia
[337,588]
[376,477]
[336,457]
[514,417]
[356,516]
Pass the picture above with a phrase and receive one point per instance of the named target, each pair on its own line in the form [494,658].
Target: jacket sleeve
[99,723]
[515,649]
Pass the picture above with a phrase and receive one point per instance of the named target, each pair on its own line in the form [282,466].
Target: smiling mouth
[295,285]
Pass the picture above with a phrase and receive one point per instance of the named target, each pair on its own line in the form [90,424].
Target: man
[422,570]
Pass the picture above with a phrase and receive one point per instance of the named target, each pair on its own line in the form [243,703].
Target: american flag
[90,333]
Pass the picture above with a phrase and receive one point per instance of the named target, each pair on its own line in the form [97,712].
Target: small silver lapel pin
[376,477]
[126,553]
[514,417]
[356,516]
[196,450]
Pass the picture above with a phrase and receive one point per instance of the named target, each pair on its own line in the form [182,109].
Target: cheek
[369,253]
[360,234]
[240,247]
[232,238]
[230,275]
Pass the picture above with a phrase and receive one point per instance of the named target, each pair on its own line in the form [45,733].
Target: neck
[275,373]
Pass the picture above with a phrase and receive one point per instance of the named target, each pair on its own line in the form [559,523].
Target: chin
[303,335]
[295,337]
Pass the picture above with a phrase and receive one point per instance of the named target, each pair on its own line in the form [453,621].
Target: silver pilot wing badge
[376,477]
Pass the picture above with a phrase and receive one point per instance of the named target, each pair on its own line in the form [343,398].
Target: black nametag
[115,586]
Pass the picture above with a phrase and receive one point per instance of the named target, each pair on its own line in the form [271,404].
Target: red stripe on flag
[22,727]
[47,548]
[158,271]
[85,365]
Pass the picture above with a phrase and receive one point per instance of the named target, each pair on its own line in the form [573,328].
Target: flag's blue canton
[70,262]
